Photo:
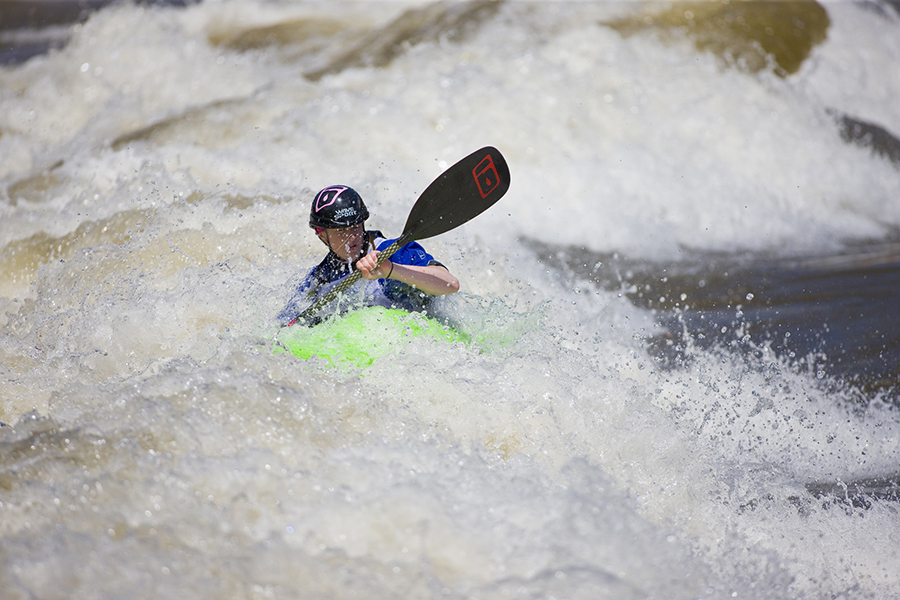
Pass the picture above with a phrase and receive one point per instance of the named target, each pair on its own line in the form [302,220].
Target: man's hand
[370,269]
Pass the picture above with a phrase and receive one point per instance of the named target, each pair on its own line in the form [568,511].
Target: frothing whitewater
[689,385]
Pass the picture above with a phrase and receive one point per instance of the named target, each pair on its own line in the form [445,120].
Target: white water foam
[171,453]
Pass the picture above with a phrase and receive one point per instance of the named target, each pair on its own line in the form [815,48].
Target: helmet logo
[486,176]
[328,196]
[345,212]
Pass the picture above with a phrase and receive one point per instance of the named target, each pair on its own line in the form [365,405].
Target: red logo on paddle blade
[485,174]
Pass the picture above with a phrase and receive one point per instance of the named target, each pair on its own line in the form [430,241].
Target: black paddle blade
[460,194]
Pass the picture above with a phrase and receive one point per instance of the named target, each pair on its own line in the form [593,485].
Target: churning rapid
[687,386]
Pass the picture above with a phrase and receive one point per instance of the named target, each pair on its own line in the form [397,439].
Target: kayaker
[409,279]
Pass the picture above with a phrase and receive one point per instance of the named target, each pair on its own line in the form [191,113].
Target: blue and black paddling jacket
[382,292]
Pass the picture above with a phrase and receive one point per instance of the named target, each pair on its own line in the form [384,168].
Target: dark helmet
[337,206]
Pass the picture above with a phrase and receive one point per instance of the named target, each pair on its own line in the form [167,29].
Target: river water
[688,300]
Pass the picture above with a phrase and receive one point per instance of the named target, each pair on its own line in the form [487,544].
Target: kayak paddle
[458,195]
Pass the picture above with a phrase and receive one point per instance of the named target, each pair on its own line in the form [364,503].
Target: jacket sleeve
[411,254]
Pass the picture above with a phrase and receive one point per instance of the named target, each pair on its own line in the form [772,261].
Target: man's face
[347,242]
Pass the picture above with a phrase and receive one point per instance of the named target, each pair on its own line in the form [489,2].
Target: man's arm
[435,280]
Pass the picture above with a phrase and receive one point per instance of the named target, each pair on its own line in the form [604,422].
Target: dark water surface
[30,28]
[833,315]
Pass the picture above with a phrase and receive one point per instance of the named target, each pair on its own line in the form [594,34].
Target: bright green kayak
[360,337]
